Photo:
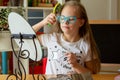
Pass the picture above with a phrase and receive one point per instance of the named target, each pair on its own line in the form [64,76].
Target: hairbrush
[56,9]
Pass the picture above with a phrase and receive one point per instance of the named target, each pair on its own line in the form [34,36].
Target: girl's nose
[66,21]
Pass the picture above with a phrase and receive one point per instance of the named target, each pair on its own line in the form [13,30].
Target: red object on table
[39,69]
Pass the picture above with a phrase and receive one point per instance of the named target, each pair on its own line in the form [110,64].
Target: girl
[71,48]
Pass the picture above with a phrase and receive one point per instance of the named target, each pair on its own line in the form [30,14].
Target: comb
[56,9]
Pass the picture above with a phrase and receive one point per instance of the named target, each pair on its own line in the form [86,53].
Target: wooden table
[95,77]
[104,21]
[104,76]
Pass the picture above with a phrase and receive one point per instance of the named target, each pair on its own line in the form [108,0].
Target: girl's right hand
[50,19]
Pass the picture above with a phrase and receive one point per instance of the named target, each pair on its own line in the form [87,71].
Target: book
[45,5]
[1,2]
[0,63]
[5,2]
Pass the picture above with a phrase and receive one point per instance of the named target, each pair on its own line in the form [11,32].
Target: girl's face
[70,21]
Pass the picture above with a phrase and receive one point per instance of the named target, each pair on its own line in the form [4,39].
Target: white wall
[101,9]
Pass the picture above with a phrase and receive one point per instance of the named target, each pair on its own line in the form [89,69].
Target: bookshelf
[34,10]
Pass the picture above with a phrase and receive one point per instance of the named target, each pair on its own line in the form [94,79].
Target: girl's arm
[93,65]
[90,66]
[50,19]
[80,69]
[72,59]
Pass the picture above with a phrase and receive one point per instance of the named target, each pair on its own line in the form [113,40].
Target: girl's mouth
[67,27]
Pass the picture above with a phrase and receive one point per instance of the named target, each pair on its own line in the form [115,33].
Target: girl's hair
[85,31]
[71,0]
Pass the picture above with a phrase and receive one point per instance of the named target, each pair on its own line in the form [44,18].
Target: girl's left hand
[72,59]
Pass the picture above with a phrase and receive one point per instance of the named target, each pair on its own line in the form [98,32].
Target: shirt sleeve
[88,55]
[45,38]
[87,50]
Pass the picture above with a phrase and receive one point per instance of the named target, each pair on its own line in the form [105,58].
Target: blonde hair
[85,31]
[71,0]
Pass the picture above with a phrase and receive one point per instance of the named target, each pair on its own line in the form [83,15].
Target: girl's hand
[72,59]
[50,19]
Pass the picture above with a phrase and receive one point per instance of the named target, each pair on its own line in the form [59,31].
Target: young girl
[71,49]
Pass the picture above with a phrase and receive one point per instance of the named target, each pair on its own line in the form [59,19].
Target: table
[95,77]
[104,21]
[104,76]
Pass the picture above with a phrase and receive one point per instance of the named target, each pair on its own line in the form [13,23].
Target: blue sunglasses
[69,19]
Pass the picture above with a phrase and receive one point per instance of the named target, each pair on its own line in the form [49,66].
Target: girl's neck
[71,38]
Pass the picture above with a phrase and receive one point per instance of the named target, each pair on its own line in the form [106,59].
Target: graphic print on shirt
[58,55]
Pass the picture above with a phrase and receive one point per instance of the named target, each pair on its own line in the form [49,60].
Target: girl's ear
[82,21]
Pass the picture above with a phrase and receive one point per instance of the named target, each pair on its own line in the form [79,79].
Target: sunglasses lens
[70,19]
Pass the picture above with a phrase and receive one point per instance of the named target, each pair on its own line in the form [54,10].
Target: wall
[102,9]
[118,9]
[108,40]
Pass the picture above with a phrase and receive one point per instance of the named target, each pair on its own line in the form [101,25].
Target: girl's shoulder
[84,44]
[56,34]
[52,36]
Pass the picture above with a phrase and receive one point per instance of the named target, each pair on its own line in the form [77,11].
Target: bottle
[30,3]
[35,3]
[43,1]
[0,2]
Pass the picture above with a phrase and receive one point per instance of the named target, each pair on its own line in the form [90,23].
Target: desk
[95,77]
[104,76]
[104,21]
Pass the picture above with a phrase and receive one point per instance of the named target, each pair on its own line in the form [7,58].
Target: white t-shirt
[57,47]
